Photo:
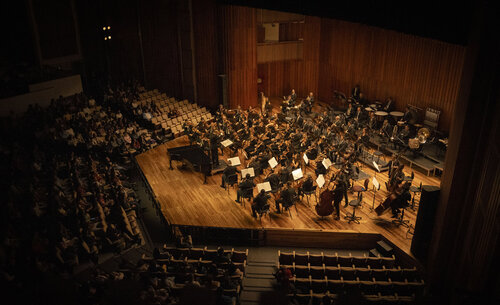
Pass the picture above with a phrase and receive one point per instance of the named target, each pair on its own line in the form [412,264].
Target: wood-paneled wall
[160,44]
[239,45]
[412,70]
[206,52]
[278,78]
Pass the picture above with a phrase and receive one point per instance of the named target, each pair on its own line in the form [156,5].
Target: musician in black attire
[274,181]
[244,186]
[359,115]
[228,171]
[372,121]
[343,186]
[338,194]
[307,186]
[259,202]
[287,197]
[293,97]
[320,169]
[214,146]
[401,200]
[355,92]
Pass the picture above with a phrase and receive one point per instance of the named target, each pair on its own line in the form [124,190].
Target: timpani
[380,115]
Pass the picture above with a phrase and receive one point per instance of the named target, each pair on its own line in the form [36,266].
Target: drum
[380,115]
[396,114]
[369,109]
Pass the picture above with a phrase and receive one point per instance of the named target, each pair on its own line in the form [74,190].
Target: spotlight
[105,38]
[109,28]
[109,37]
[104,28]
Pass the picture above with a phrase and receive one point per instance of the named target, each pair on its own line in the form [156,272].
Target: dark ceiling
[433,19]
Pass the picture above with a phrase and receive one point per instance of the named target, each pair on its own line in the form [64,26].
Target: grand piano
[193,154]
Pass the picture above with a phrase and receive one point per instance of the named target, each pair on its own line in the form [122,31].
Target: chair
[301,259]
[400,221]
[360,189]
[347,273]
[359,261]
[239,256]
[331,260]
[384,287]
[379,274]
[247,194]
[344,260]
[410,274]
[415,190]
[285,258]
[335,286]
[388,262]
[374,262]
[316,259]
[263,211]
[231,180]
[300,271]
[332,273]
[209,255]
[310,192]
[354,203]
[196,253]
[318,286]
[302,285]
[317,272]
[364,274]
[368,287]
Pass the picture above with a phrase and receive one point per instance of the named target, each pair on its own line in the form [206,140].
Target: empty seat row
[334,260]
[367,287]
[353,272]
[205,253]
[312,298]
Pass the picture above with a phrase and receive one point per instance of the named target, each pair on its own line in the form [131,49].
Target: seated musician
[359,115]
[285,175]
[402,200]
[350,111]
[312,153]
[228,171]
[310,102]
[372,121]
[320,169]
[274,180]
[404,136]
[287,197]
[259,202]
[244,186]
[293,97]
[386,129]
[256,164]
[307,186]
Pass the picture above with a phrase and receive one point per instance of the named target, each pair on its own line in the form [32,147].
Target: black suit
[259,202]
[228,171]
[287,197]
[244,185]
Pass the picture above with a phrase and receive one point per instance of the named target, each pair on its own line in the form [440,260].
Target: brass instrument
[423,134]
[414,143]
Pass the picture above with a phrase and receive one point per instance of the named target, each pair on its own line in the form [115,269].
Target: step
[384,248]
[250,297]
[374,253]
[261,263]
[259,270]
[258,282]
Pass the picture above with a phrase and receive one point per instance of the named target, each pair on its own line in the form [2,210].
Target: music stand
[326,163]
[297,174]
[320,180]
[376,187]
[266,186]
[272,162]
[246,171]
[226,143]
[234,161]
[376,167]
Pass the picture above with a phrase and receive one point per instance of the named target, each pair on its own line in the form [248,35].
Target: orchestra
[298,138]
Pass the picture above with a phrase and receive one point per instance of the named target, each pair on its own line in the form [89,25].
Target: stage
[185,201]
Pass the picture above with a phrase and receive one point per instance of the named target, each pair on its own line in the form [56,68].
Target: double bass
[384,206]
[325,205]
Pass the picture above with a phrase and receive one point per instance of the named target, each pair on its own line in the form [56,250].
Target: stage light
[109,37]
[105,38]
[109,28]
[104,28]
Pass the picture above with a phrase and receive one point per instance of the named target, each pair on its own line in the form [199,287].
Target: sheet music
[234,161]
[266,186]
[246,171]
[375,183]
[320,180]
[306,159]
[226,143]
[297,174]
[272,162]
[326,163]
[376,166]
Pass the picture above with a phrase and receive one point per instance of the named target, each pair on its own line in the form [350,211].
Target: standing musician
[338,194]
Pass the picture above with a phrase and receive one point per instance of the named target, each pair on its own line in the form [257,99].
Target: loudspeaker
[425,222]
[223,90]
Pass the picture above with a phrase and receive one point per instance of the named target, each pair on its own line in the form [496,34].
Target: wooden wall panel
[278,78]
[160,44]
[239,45]
[412,70]
[206,52]
[269,52]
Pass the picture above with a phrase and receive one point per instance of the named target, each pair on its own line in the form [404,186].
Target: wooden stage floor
[186,201]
